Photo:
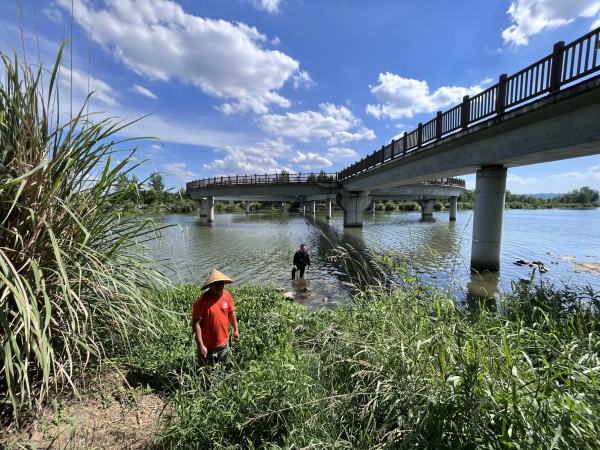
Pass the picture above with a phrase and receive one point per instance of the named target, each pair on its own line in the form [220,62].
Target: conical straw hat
[215,276]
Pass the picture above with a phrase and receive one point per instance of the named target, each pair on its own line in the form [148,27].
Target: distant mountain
[545,196]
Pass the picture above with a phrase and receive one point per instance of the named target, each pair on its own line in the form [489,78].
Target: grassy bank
[406,369]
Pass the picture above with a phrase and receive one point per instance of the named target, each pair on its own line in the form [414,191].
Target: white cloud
[302,79]
[81,84]
[311,160]
[555,183]
[404,97]
[271,6]
[53,13]
[179,170]
[143,91]
[336,124]
[340,152]
[258,158]
[159,40]
[596,24]
[530,17]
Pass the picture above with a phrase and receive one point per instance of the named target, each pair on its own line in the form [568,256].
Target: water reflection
[259,248]
[482,289]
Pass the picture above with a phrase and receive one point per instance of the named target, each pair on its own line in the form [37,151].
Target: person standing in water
[301,262]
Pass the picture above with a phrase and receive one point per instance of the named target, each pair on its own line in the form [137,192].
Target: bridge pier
[453,208]
[247,207]
[353,204]
[313,208]
[206,207]
[427,209]
[328,208]
[490,190]
[373,203]
[303,208]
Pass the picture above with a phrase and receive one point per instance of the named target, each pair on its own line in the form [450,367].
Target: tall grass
[71,274]
[397,368]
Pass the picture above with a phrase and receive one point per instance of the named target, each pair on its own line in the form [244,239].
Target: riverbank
[405,368]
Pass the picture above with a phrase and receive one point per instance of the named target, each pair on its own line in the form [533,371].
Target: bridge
[548,111]
[313,188]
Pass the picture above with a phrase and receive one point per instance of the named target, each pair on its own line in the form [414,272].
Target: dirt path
[110,414]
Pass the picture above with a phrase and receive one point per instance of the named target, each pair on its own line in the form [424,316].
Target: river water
[259,248]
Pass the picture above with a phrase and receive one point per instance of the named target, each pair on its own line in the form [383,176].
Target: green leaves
[72,270]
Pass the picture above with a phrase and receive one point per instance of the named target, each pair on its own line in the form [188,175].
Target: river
[259,248]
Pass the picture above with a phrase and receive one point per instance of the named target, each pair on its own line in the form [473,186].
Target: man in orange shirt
[212,313]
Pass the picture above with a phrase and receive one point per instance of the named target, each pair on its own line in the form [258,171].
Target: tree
[156,183]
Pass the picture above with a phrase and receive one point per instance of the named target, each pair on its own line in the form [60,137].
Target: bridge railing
[291,178]
[264,179]
[565,65]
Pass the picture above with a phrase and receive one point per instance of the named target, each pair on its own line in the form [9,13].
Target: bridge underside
[319,192]
[565,125]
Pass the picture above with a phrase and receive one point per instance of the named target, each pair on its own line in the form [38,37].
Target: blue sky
[257,86]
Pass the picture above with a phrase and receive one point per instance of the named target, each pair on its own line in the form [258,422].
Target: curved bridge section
[314,188]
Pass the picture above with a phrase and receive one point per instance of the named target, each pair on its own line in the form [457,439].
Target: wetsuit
[301,261]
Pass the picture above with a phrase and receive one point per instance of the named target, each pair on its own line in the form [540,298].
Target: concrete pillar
[427,209]
[353,204]
[247,207]
[202,207]
[303,208]
[373,206]
[313,208]
[210,209]
[328,208]
[490,190]
[453,207]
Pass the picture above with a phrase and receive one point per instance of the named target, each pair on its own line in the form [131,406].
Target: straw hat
[215,276]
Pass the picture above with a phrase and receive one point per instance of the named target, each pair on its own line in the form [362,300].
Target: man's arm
[233,321]
[202,350]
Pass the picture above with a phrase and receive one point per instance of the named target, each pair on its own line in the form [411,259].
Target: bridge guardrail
[291,178]
[565,65]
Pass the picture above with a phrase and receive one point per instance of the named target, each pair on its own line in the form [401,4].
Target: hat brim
[207,285]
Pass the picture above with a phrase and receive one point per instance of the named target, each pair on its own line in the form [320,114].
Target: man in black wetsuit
[301,261]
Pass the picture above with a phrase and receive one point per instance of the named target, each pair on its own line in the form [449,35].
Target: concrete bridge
[314,188]
[545,112]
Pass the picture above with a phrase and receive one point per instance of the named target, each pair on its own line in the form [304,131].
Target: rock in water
[288,295]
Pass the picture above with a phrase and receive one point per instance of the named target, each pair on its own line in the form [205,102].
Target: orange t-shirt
[213,314]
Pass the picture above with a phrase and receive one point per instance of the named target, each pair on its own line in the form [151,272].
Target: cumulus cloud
[530,17]
[311,160]
[159,40]
[404,97]
[252,159]
[335,124]
[340,152]
[271,6]
[179,170]
[143,91]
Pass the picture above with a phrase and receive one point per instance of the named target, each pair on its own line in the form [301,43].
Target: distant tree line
[582,197]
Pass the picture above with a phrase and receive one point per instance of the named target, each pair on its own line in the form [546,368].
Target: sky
[230,87]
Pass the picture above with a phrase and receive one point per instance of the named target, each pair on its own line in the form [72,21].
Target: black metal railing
[566,64]
[264,179]
[293,178]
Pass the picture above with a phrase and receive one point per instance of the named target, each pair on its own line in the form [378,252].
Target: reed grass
[400,367]
[71,273]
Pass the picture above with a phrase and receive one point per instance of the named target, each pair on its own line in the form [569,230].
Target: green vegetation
[399,368]
[150,195]
[584,197]
[71,274]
